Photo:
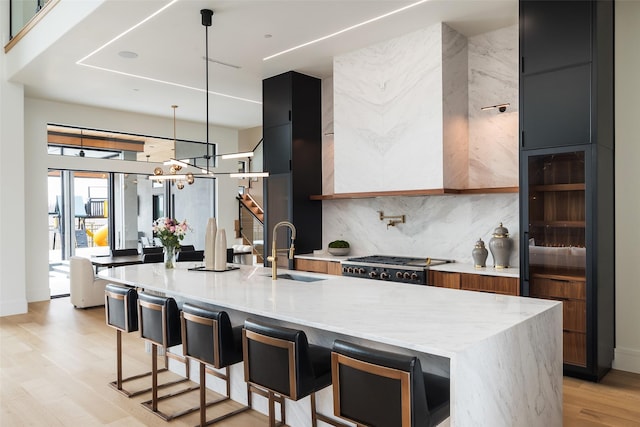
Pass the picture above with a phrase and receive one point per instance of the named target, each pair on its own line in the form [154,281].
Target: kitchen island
[503,354]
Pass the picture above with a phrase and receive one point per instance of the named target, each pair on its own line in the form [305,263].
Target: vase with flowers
[170,232]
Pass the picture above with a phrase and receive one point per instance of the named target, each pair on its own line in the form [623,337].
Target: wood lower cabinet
[443,279]
[572,291]
[334,268]
[319,266]
[496,284]
[475,282]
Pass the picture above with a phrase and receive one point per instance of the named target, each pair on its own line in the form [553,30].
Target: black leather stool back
[282,361]
[121,305]
[159,320]
[384,389]
[209,338]
[278,358]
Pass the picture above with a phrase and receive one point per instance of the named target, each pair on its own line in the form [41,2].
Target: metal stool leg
[152,404]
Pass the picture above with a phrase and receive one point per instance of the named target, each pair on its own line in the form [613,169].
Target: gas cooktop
[392,268]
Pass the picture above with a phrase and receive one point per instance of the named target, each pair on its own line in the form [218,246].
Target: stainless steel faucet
[274,251]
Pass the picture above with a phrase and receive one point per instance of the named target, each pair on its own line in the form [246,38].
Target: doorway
[78,221]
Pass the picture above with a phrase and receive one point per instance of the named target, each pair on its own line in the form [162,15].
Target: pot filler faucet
[274,251]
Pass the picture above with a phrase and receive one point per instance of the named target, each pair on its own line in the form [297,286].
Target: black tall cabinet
[566,173]
[292,126]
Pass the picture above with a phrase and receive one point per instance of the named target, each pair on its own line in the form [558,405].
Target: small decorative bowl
[339,251]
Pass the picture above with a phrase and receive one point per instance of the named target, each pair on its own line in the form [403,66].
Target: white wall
[627,195]
[12,198]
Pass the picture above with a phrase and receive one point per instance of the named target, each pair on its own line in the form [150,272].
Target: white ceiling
[171,49]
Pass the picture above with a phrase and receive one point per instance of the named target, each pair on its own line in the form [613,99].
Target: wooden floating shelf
[560,187]
[414,193]
[556,224]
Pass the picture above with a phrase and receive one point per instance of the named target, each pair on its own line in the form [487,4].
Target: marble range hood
[401,114]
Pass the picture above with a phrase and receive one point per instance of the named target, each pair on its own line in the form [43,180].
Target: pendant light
[175,166]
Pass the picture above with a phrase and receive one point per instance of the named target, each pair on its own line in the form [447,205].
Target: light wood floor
[56,361]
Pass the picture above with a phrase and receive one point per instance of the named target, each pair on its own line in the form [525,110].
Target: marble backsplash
[436,226]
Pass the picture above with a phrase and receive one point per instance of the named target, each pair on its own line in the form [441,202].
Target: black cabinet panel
[557,108]
[276,101]
[278,199]
[293,157]
[277,149]
[554,34]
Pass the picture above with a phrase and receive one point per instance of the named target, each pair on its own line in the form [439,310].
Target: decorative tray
[203,268]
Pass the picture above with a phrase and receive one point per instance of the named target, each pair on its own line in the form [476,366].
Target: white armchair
[86,290]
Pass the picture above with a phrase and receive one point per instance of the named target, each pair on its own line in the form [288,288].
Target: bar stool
[279,362]
[121,312]
[160,325]
[374,387]
[209,338]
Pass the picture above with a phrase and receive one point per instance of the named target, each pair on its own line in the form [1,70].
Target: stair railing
[251,230]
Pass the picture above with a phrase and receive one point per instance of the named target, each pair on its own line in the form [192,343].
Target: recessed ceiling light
[128,54]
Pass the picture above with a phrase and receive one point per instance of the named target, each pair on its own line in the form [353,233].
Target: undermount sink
[299,278]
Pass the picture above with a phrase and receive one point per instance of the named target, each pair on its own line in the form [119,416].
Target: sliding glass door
[78,221]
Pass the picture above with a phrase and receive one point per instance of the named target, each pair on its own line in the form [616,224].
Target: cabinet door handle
[526,256]
[289,115]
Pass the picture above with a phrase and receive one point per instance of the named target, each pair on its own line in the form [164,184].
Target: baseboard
[17,306]
[627,359]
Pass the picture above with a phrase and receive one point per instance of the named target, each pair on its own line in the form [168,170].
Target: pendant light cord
[206,48]
[206,21]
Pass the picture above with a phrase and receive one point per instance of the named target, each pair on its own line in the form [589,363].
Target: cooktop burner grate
[391,268]
[397,260]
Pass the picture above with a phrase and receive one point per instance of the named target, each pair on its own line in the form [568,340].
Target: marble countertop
[457,267]
[324,256]
[423,318]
